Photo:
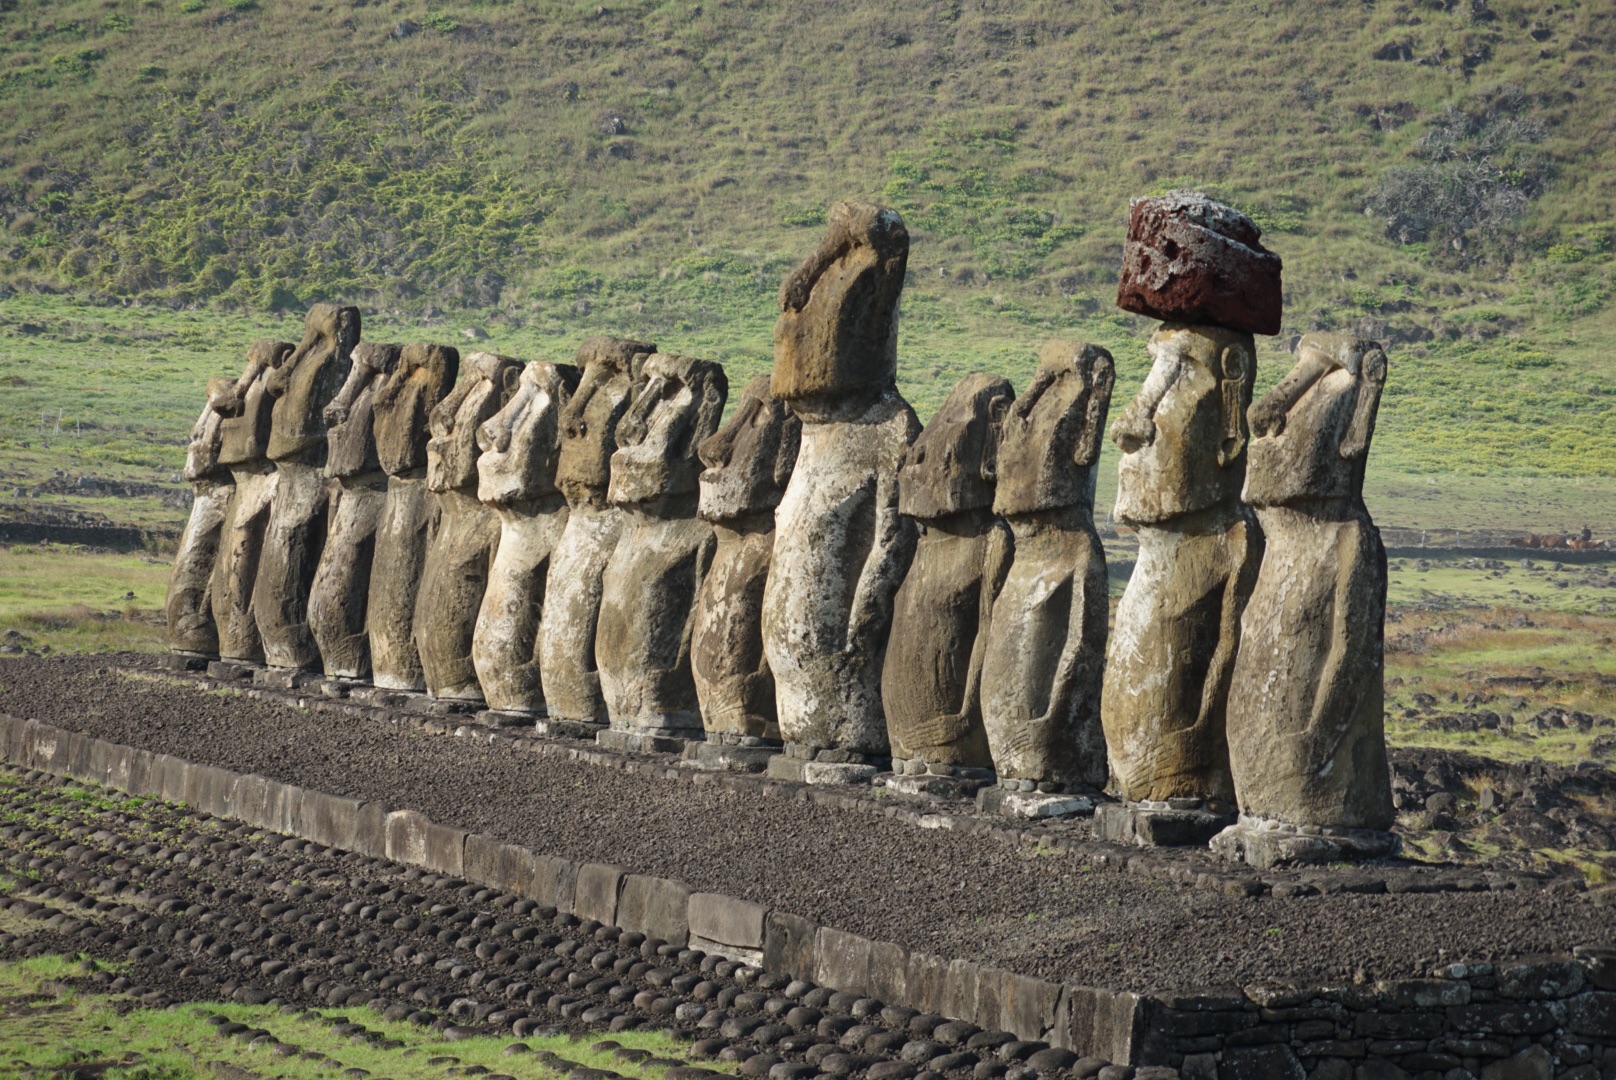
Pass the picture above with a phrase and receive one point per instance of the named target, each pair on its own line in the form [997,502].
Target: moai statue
[572,593]
[1045,651]
[401,412]
[1306,742]
[841,547]
[932,681]
[357,488]
[749,462]
[516,477]
[302,387]
[650,584]
[1183,443]
[244,430]
[193,637]
[467,538]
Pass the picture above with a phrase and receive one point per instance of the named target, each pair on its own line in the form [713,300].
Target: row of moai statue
[819,587]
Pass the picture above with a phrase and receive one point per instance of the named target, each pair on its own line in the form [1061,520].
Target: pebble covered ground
[1054,915]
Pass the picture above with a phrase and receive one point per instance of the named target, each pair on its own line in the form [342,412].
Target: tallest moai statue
[1197,264]
[841,547]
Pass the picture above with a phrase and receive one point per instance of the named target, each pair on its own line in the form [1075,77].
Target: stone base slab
[641,742]
[179,660]
[1269,844]
[285,678]
[231,670]
[1031,805]
[1158,826]
[431,706]
[558,728]
[725,758]
[955,787]
[504,718]
[379,697]
[846,774]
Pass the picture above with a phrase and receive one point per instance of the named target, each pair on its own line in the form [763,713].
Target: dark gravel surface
[1051,915]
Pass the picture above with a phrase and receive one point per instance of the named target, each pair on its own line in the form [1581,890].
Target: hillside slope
[546,170]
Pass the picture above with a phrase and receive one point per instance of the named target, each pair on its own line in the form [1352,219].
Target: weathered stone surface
[651,582]
[656,907]
[598,888]
[567,629]
[189,604]
[401,412]
[1044,653]
[842,960]
[467,537]
[244,426]
[516,477]
[788,944]
[1165,693]
[1306,741]
[356,487]
[1106,1024]
[1190,259]
[726,920]
[301,387]
[931,680]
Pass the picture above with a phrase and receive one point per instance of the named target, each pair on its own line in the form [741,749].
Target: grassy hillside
[547,170]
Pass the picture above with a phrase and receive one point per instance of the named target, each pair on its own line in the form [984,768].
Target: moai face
[1050,442]
[589,422]
[1310,434]
[202,450]
[953,466]
[244,407]
[749,461]
[350,433]
[1183,438]
[404,402]
[521,444]
[309,379]
[678,406]
[487,383]
[837,335]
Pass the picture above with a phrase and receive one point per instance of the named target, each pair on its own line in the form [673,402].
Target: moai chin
[356,491]
[1306,743]
[189,604]
[244,431]
[748,464]
[567,628]
[1183,438]
[302,387]
[932,679]
[651,582]
[841,546]
[516,473]
[1045,651]
[401,410]
[467,537]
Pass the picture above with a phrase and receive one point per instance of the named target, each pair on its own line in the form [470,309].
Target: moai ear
[710,410]
[1371,380]
[510,383]
[785,454]
[1234,383]
[998,410]
[1100,376]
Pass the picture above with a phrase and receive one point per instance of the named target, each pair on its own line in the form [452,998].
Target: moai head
[522,442]
[309,379]
[487,383]
[609,369]
[350,433]
[244,406]
[1310,434]
[1049,446]
[1192,260]
[402,407]
[953,466]
[749,460]
[202,449]
[837,335]
[1183,438]
[676,408]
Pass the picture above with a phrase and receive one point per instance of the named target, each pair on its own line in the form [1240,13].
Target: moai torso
[244,431]
[516,477]
[930,684]
[400,411]
[748,463]
[356,491]
[302,387]
[462,551]
[650,585]
[189,602]
[567,631]
[1045,651]
[1306,740]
